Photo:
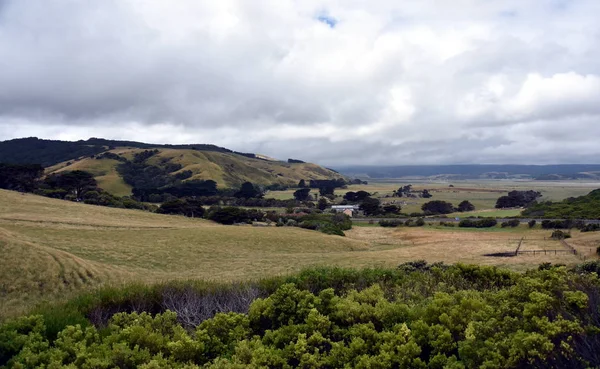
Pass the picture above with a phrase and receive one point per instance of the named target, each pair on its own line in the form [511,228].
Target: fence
[567,250]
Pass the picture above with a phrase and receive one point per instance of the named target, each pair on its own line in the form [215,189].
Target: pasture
[481,193]
[52,249]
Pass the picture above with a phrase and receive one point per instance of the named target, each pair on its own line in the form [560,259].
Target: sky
[376,82]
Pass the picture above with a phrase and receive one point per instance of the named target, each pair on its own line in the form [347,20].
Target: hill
[53,248]
[187,162]
[582,207]
[472,171]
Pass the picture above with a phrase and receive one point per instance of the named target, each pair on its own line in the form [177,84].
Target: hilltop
[102,158]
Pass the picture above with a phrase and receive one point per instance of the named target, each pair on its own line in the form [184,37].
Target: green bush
[416,316]
[390,222]
[481,223]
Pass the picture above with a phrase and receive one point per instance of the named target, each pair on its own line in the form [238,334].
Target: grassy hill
[228,169]
[53,248]
[582,207]
[205,162]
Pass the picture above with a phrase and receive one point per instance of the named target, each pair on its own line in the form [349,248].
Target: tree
[356,196]
[426,194]
[391,209]
[248,190]
[531,223]
[517,199]
[370,206]
[323,203]
[20,177]
[302,194]
[324,191]
[189,208]
[404,190]
[465,206]
[301,184]
[437,207]
[76,182]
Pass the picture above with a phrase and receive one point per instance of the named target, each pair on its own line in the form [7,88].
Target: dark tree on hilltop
[302,194]
[517,199]
[76,182]
[371,206]
[437,207]
[248,190]
[302,184]
[20,177]
[465,206]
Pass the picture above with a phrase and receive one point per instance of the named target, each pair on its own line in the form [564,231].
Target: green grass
[482,194]
[493,213]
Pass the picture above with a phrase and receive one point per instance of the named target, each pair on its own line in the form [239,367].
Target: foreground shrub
[403,318]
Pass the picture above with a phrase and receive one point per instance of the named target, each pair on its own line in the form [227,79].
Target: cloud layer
[336,82]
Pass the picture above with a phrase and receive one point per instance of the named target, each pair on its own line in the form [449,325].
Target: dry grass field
[53,248]
[483,194]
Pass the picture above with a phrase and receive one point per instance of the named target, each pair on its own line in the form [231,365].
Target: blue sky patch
[328,20]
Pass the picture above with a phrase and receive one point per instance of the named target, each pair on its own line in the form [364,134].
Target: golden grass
[53,248]
[453,246]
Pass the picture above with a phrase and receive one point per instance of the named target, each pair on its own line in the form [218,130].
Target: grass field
[52,249]
[482,194]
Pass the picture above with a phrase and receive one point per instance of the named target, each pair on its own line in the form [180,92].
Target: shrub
[481,223]
[229,215]
[418,315]
[531,223]
[390,222]
[559,235]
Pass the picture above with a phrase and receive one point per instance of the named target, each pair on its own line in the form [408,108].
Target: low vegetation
[478,223]
[582,207]
[415,316]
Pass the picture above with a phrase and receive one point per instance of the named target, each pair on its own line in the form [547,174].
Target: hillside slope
[582,207]
[53,248]
[229,170]
[205,162]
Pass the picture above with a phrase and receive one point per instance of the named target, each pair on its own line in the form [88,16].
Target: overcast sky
[334,82]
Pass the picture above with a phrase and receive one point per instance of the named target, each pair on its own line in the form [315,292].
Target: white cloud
[387,82]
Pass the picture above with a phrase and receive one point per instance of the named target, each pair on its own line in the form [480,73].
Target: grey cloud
[420,82]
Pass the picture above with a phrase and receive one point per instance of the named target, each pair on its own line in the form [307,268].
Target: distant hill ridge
[50,152]
[102,158]
[476,171]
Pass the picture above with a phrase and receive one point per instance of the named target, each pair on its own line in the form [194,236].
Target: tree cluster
[517,199]
[24,178]
[437,207]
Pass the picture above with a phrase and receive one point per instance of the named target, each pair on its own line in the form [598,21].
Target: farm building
[346,209]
